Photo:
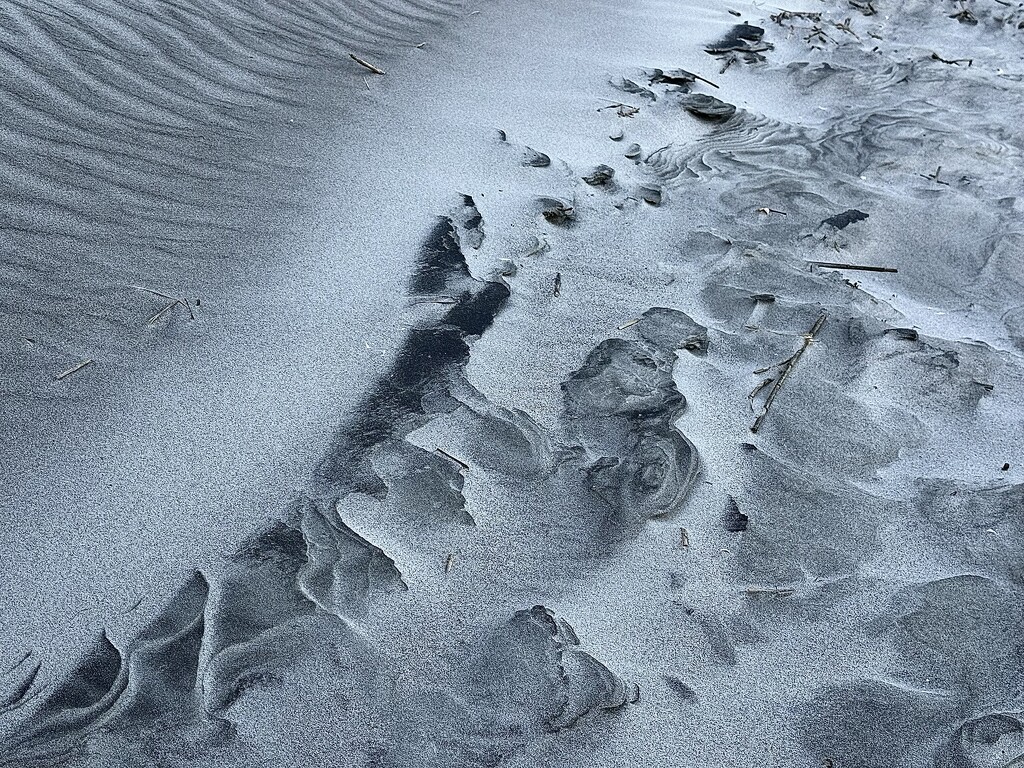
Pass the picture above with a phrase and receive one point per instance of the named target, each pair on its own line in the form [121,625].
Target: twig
[934,176]
[770,211]
[862,267]
[630,324]
[447,455]
[956,61]
[623,110]
[73,369]
[558,284]
[786,371]
[704,80]
[156,318]
[174,300]
[368,65]
[757,389]
[449,561]
[657,151]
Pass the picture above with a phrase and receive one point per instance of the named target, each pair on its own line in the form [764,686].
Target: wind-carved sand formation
[412,384]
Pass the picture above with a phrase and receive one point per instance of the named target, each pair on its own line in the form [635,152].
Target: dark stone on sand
[740,38]
[707,107]
[845,219]
[734,520]
[600,176]
[903,334]
[536,159]
[651,195]
[678,77]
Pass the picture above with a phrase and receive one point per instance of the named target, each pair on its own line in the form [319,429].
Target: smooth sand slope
[604,384]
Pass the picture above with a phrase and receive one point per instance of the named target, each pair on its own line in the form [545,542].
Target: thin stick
[704,80]
[630,324]
[72,369]
[156,318]
[447,455]
[862,267]
[449,561]
[368,65]
[175,299]
[786,371]
[757,389]
[558,284]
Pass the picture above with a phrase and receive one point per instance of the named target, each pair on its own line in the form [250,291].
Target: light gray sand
[841,588]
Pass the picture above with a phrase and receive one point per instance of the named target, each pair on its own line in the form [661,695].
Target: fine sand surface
[503,409]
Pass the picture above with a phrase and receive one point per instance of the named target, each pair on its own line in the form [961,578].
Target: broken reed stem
[757,389]
[558,284]
[630,324]
[174,300]
[704,80]
[368,65]
[447,455]
[861,267]
[156,318]
[72,369]
[786,371]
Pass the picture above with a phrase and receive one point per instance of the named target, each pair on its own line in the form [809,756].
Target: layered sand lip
[587,380]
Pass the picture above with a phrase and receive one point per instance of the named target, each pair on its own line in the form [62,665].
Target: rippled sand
[426,384]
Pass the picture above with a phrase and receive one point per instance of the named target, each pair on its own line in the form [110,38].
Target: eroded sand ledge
[454,465]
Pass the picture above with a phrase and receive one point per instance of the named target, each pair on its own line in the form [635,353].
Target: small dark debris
[707,107]
[558,212]
[558,284]
[742,37]
[651,195]
[964,16]
[536,159]
[1006,467]
[628,86]
[734,520]
[845,219]
[674,77]
[903,334]
[600,176]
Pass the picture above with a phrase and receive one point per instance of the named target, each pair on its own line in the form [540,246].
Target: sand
[527,404]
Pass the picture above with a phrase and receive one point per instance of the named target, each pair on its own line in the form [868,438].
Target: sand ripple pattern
[135,139]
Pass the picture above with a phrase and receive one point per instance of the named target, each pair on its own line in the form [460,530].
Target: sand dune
[424,384]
